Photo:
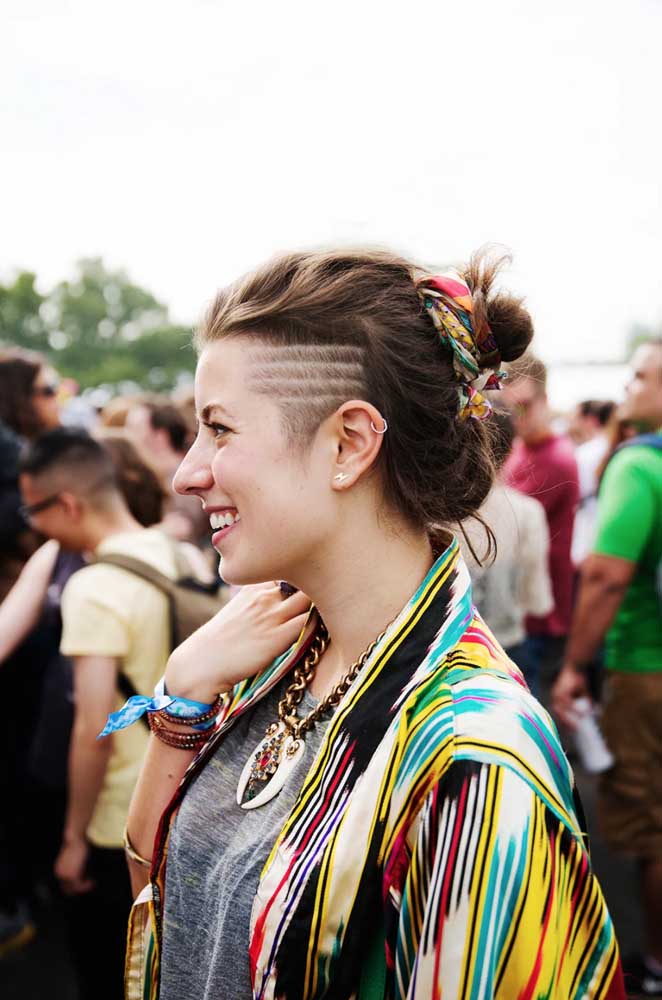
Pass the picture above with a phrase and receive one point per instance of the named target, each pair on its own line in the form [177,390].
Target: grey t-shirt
[216,854]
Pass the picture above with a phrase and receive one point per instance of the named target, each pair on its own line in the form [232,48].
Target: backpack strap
[651,440]
[140,568]
[151,575]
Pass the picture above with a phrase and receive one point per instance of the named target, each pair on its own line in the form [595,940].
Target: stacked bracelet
[182,741]
[203,721]
[201,716]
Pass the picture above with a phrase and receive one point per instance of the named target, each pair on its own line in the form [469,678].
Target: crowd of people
[92,537]
[378,457]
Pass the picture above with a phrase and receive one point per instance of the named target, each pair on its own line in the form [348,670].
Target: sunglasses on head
[45,390]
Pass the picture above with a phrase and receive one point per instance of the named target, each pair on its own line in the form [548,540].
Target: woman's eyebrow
[210,408]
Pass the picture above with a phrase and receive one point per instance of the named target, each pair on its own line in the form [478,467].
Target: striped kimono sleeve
[499,899]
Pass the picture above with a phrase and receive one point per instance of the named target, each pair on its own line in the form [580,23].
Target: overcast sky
[186,141]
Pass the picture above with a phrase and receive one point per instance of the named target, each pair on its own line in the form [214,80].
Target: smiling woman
[380,808]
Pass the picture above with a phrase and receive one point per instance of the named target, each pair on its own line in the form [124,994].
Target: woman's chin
[232,572]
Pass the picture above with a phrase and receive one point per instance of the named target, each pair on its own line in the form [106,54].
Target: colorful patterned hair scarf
[476,357]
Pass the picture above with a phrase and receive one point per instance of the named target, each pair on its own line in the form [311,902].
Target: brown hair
[337,325]
[503,435]
[116,410]
[601,409]
[165,416]
[617,432]
[136,479]
[18,371]
[531,367]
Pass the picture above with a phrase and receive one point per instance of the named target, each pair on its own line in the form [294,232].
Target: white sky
[186,141]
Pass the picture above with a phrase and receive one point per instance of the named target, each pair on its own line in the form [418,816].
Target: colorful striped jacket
[441,809]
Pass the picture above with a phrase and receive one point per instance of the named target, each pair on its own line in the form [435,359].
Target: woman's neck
[360,586]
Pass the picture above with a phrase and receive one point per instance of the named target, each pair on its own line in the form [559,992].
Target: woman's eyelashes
[218,430]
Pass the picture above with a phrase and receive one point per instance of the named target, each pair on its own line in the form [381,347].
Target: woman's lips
[222,533]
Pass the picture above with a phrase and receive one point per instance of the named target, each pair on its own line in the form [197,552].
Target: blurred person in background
[620,604]
[115,412]
[76,410]
[618,431]
[136,477]
[184,399]
[32,604]
[589,419]
[515,581]
[162,432]
[542,465]
[145,495]
[115,625]
[28,406]
[589,429]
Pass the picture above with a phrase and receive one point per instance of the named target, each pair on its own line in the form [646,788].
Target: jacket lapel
[320,882]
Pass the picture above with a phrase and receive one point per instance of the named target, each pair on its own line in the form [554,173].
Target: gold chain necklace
[278,753]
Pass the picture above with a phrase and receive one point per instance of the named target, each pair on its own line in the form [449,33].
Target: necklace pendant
[268,767]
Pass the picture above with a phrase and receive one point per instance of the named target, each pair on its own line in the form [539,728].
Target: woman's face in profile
[270,503]
[44,399]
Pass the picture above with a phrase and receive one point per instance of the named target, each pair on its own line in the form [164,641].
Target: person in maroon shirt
[542,464]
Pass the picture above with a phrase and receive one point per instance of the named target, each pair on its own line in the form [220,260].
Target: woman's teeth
[224,520]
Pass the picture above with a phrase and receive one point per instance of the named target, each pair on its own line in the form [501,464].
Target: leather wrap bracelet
[172,738]
[209,716]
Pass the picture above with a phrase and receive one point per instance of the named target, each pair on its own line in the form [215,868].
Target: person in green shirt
[619,604]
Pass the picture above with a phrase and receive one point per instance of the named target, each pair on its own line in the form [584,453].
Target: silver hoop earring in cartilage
[383,430]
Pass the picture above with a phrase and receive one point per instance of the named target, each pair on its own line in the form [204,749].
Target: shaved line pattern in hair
[309,381]
[323,327]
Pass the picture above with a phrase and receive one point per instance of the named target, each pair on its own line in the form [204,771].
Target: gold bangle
[132,854]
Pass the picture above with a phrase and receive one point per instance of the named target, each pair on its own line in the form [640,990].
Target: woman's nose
[194,473]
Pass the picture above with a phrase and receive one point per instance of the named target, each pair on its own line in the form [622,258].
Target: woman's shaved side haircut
[330,326]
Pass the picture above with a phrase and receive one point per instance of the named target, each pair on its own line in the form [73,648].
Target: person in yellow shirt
[114,624]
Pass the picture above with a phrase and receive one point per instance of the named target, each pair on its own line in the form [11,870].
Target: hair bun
[511,325]
[505,314]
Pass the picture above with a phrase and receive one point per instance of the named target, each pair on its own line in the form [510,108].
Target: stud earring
[340,478]
[383,430]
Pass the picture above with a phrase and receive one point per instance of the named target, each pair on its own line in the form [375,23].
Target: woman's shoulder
[484,712]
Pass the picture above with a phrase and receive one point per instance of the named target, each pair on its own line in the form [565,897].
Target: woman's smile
[222,522]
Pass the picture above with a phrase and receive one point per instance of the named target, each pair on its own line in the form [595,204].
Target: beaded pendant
[269,766]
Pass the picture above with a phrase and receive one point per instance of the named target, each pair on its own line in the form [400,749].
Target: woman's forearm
[163,769]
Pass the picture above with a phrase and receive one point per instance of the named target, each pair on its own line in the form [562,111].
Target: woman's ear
[360,430]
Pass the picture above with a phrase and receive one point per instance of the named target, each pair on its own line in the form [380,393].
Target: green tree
[21,322]
[99,327]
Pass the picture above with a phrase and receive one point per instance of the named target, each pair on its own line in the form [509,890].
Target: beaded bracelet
[200,715]
[181,741]
[204,721]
